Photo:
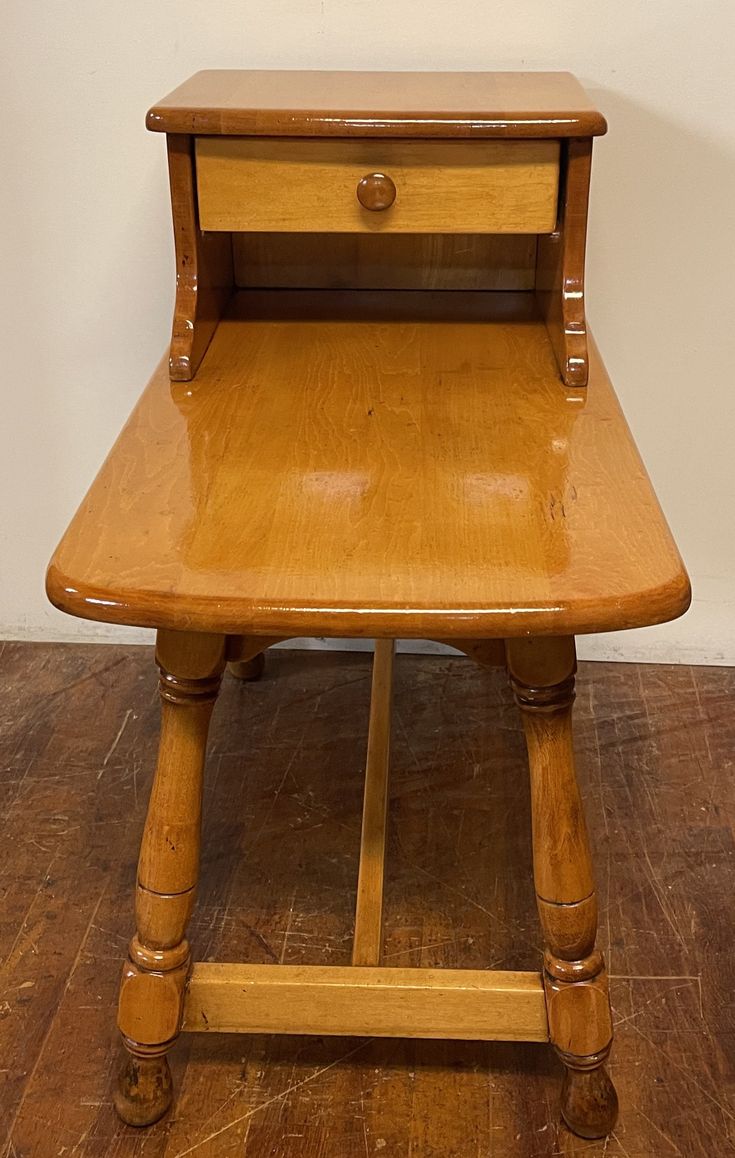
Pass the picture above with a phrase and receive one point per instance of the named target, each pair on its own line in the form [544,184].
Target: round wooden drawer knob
[376,191]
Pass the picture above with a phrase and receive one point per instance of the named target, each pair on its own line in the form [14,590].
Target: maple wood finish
[247,182]
[560,267]
[578,1007]
[269,184]
[378,104]
[248,669]
[376,192]
[486,652]
[246,655]
[480,1005]
[152,988]
[448,261]
[489,503]
[368,939]
[423,187]
[374,463]
[203,267]
[77,755]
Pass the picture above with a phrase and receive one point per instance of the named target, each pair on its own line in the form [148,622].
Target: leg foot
[144,1090]
[248,670]
[589,1103]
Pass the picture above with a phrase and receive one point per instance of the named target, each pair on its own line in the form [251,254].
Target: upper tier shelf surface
[374,463]
[382,104]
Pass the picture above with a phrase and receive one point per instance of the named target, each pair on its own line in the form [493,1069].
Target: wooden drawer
[287,185]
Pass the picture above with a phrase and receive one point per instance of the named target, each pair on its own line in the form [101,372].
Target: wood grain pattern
[287,562]
[403,261]
[382,1002]
[374,465]
[150,1007]
[249,183]
[204,275]
[560,267]
[378,104]
[78,726]
[580,1022]
[368,940]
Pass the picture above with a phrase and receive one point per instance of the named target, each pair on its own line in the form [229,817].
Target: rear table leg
[368,940]
[575,980]
[246,655]
[248,670]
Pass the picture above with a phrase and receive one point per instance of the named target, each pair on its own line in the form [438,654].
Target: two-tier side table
[382,416]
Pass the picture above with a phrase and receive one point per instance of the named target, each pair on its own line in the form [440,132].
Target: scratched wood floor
[283,800]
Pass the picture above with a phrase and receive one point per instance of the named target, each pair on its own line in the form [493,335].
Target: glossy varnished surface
[560,268]
[308,456]
[401,104]
[204,272]
[396,475]
[283,800]
[437,186]
[490,261]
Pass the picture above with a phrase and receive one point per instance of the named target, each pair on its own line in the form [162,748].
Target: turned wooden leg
[485,652]
[248,670]
[575,979]
[246,655]
[154,976]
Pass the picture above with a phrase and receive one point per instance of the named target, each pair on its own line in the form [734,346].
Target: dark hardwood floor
[283,800]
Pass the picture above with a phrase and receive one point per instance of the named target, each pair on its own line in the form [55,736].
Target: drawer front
[284,185]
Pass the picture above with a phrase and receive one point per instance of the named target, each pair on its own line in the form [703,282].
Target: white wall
[87,256]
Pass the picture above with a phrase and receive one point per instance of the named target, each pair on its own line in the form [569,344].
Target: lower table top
[373,463]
